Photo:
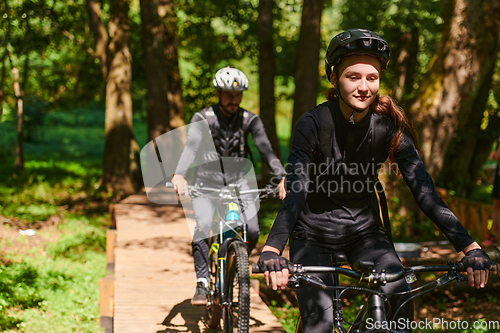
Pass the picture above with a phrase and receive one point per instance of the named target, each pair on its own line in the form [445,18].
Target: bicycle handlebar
[374,277]
[194,190]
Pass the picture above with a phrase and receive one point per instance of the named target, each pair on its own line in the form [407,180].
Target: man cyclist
[229,127]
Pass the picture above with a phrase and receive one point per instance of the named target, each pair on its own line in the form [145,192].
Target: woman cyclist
[331,202]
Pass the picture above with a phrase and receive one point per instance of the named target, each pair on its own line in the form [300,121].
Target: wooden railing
[107,283]
[472,214]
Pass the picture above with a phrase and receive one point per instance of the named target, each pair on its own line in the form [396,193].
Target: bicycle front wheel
[236,314]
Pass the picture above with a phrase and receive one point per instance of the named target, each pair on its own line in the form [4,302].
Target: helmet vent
[230,79]
[346,36]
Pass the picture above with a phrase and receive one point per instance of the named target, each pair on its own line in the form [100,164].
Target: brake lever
[297,281]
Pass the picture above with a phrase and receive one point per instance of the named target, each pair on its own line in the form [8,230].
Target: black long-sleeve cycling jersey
[224,138]
[333,203]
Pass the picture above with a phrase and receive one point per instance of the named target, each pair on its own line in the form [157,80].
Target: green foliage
[48,42]
[8,138]
[212,34]
[287,315]
[56,283]
[83,238]
[402,23]
[19,286]
[34,112]
[51,292]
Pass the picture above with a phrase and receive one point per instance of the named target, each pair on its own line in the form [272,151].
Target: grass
[49,282]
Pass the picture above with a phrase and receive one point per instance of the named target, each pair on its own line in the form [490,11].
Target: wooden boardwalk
[154,277]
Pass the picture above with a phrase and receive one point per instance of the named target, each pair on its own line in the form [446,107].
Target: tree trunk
[306,63]
[470,148]
[156,75]
[19,166]
[406,63]
[444,104]
[100,35]
[117,163]
[169,20]
[267,72]
[464,60]
[3,75]
[1,105]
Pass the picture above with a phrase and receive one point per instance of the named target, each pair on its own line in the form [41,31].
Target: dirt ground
[14,243]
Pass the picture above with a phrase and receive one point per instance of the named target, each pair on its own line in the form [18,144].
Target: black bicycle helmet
[356,41]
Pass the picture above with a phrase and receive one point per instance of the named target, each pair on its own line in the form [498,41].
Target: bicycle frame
[228,257]
[375,307]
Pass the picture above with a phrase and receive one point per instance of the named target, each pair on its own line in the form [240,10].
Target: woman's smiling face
[359,80]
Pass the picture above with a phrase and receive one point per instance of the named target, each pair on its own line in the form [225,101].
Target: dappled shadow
[254,322]
[50,172]
[192,316]
[155,214]
[194,319]
[159,243]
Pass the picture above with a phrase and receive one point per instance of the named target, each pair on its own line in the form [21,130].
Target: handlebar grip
[256,269]
[493,266]
[169,185]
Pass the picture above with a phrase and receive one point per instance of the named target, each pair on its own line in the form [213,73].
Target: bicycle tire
[236,315]
[213,309]
[298,327]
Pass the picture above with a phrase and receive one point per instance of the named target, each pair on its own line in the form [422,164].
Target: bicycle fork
[338,326]
[221,259]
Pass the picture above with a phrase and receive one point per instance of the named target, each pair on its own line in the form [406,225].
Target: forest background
[93,82]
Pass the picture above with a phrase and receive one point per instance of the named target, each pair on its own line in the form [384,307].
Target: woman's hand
[477,264]
[180,185]
[274,266]
[281,189]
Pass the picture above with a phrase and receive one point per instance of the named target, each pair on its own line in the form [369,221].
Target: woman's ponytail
[387,106]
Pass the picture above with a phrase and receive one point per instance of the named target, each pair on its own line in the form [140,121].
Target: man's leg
[203,209]
[253,231]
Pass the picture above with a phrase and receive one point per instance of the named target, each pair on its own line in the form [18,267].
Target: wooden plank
[155,276]
[112,216]
[110,250]
[106,304]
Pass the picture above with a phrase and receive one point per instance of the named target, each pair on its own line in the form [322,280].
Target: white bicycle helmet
[228,78]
